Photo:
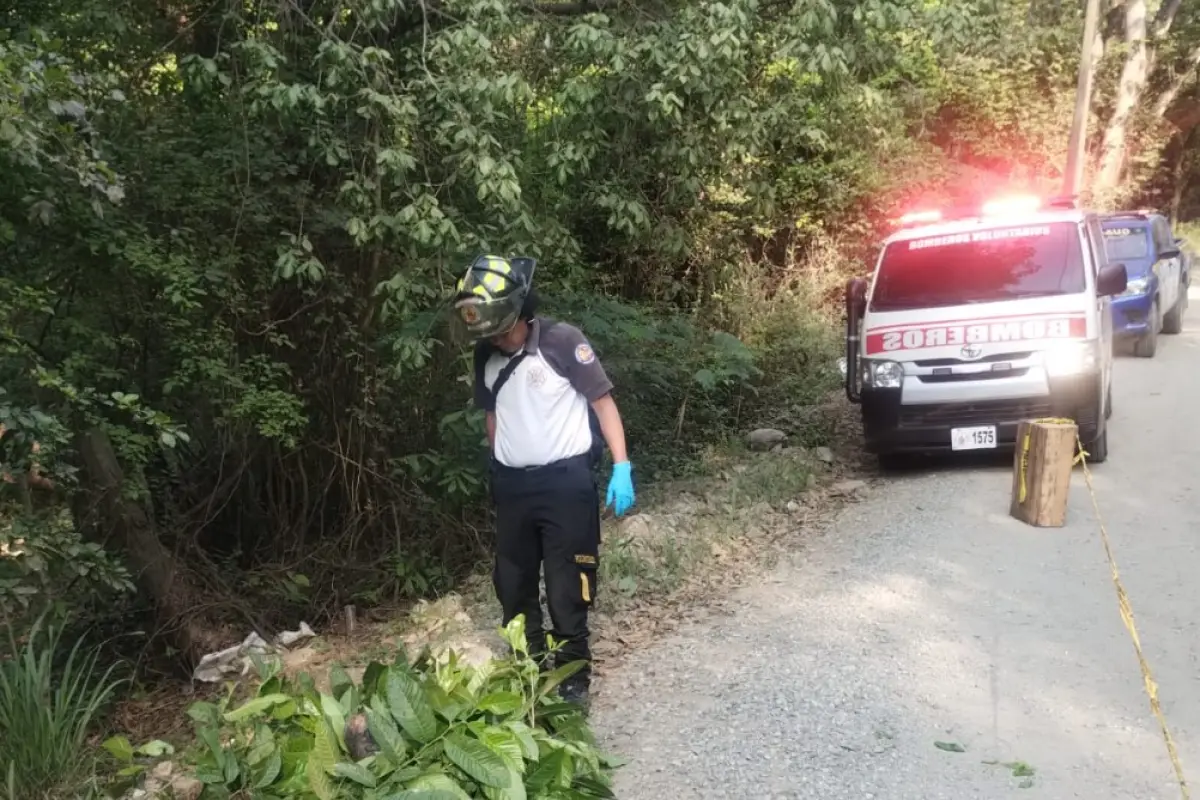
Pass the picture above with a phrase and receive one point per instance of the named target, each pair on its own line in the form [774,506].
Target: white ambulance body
[973,324]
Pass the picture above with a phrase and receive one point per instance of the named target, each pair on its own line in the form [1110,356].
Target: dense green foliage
[432,730]
[229,229]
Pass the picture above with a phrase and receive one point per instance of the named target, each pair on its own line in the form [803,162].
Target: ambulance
[978,319]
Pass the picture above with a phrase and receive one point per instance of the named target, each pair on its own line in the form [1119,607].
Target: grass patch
[47,709]
[702,526]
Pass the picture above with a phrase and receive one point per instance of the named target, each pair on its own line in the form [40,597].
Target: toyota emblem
[970,351]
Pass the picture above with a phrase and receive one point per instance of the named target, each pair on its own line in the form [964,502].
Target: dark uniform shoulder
[555,333]
[569,352]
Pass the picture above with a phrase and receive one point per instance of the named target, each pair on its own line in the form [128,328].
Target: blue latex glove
[620,488]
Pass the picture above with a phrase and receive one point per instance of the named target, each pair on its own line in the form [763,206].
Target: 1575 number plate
[982,437]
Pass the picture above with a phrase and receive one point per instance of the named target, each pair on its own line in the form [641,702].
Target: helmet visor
[473,318]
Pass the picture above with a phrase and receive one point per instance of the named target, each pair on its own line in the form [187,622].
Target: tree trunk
[104,514]
[1141,38]
[1184,143]
[1129,93]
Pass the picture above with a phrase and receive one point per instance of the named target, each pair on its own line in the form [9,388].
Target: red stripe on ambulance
[983,331]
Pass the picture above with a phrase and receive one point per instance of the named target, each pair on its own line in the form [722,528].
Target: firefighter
[545,394]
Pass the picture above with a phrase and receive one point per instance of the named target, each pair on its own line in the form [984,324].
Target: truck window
[1126,242]
[982,266]
[1162,235]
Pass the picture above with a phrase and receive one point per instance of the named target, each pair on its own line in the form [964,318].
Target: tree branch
[1172,92]
[568,9]
[1164,18]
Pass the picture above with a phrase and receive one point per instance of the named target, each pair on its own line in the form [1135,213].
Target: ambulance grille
[988,413]
[974,376]
[954,362]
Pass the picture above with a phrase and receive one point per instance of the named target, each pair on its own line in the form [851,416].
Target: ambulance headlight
[1136,286]
[1071,358]
[883,374]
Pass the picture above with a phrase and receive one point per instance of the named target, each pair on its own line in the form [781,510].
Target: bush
[46,711]
[432,730]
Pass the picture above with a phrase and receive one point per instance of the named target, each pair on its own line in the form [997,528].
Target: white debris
[236,661]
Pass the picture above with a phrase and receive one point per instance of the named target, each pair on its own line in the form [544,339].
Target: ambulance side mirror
[1111,280]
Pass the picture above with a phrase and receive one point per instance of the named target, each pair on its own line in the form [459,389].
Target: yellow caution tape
[1127,618]
[1023,464]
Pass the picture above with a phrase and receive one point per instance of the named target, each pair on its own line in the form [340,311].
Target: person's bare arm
[491,429]
[612,427]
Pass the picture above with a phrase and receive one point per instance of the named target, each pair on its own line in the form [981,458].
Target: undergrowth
[429,730]
[50,698]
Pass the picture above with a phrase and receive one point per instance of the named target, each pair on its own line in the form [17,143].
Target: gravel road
[926,614]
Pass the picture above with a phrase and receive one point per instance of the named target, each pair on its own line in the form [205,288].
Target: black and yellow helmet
[491,294]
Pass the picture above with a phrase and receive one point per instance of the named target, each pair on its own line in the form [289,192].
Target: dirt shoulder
[690,544]
[686,548]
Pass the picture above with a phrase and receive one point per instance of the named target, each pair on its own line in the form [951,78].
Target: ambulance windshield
[981,266]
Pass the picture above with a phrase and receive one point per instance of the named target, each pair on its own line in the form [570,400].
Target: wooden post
[1042,466]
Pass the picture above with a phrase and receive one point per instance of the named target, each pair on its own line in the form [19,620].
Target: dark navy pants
[549,516]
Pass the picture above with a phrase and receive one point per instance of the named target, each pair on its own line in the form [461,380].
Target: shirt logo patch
[535,377]
[584,353]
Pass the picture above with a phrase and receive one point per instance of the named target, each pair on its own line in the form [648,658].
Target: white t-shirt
[542,409]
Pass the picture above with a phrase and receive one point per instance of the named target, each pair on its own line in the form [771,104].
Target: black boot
[575,690]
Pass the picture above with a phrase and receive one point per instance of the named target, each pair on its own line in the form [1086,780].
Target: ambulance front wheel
[893,462]
[1097,449]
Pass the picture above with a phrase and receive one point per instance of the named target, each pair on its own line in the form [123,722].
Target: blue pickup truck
[1159,273]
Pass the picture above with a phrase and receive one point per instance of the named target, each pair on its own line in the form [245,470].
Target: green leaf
[120,748]
[504,743]
[339,680]
[525,739]
[384,732]
[355,772]
[502,703]
[156,748]
[442,787]
[256,706]
[547,771]
[427,794]
[318,781]
[410,707]
[270,770]
[323,753]
[552,679]
[950,747]
[337,721]
[205,713]
[514,791]
[475,759]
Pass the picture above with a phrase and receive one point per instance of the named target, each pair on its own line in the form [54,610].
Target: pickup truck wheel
[1173,321]
[1147,345]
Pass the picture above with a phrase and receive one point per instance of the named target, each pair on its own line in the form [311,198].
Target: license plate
[982,437]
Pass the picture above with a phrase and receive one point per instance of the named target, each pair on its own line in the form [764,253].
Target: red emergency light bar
[1017,204]
[919,217]
[998,207]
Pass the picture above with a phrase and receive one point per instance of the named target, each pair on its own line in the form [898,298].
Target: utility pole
[1077,145]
